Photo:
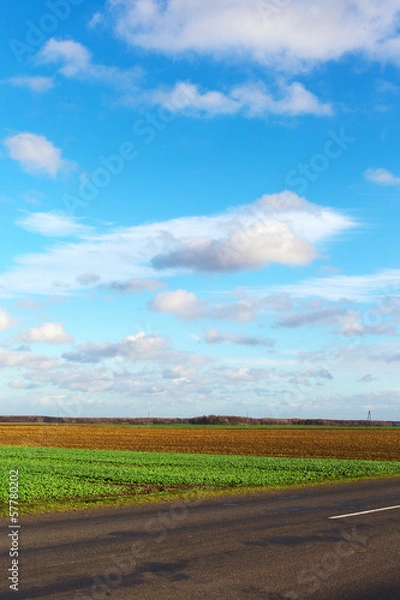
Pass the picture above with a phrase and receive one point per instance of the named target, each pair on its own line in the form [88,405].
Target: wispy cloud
[74,60]
[36,84]
[52,224]
[382,177]
[132,286]
[360,288]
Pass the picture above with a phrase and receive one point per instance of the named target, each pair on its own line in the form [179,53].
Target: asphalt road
[275,546]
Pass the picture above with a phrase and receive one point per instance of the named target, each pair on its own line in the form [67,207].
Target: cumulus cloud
[305,34]
[141,346]
[215,336]
[35,154]
[251,247]
[25,359]
[74,56]
[181,303]
[251,100]
[48,333]
[278,228]
[35,84]
[382,177]
[321,373]
[6,321]
[350,322]
[242,374]
[180,373]
[186,305]
[52,224]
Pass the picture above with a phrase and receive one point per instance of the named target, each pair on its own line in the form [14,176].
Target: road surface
[275,546]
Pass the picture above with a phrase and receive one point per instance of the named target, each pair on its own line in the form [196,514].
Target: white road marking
[366,512]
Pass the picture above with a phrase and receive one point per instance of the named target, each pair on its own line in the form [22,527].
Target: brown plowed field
[369,444]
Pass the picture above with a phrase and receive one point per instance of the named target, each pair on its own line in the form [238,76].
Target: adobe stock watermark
[147,130]
[335,146]
[14,527]
[124,564]
[309,580]
[37,32]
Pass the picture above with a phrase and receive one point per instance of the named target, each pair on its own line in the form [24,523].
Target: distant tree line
[203,420]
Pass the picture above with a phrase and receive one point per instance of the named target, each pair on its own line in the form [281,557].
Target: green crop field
[59,479]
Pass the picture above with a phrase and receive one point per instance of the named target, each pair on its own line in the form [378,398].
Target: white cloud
[52,224]
[48,333]
[300,35]
[186,97]
[386,353]
[186,305]
[132,286]
[181,303]
[141,346]
[293,100]
[74,56]
[35,84]
[279,228]
[6,321]
[382,177]
[17,384]
[26,360]
[351,323]
[362,288]
[33,197]
[27,304]
[242,374]
[252,100]
[215,336]
[96,20]
[252,247]
[36,154]
[76,62]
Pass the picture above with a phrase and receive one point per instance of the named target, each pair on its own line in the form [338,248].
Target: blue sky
[200,207]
